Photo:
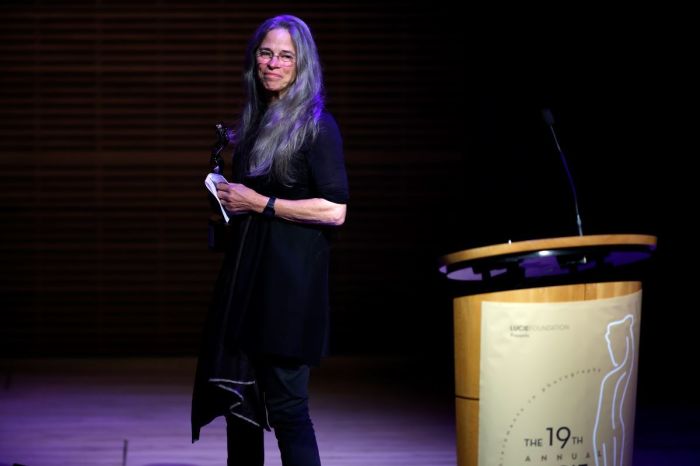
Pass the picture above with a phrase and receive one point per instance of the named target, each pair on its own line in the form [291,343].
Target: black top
[271,296]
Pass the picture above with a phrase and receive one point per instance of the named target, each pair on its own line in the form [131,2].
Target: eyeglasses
[266,56]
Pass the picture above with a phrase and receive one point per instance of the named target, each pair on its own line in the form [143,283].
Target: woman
[268,321]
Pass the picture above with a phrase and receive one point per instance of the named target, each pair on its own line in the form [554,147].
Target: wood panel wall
[107,119]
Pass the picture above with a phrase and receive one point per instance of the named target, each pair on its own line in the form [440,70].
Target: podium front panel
[545,375]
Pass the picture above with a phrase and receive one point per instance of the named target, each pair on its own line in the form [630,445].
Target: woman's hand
[240,199]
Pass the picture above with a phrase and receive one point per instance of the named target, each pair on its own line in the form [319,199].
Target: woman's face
[276,58]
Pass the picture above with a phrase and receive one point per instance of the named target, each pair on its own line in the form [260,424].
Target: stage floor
[367,411]
[93,412]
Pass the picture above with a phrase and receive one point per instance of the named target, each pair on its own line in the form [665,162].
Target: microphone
[549,119]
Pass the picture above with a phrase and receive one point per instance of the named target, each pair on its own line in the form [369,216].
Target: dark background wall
[107,119]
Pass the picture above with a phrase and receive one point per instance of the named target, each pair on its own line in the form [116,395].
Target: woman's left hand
[239,199]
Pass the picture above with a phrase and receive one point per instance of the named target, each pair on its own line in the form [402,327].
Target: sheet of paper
[210,182]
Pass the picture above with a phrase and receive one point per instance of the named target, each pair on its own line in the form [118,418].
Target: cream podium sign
[558,382]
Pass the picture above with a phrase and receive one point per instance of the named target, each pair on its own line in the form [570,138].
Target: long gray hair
[281,128]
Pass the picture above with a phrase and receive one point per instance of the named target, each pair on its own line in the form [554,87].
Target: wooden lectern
[568,272]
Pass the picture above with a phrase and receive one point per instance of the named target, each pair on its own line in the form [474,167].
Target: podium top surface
[548,256]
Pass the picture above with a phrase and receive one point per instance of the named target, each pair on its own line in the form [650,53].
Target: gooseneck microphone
[549,119]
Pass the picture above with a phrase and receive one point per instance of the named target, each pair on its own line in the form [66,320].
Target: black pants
[285,388]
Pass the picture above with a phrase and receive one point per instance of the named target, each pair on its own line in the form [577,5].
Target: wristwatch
[269,210]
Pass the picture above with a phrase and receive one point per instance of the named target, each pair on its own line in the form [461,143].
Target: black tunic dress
[271,296]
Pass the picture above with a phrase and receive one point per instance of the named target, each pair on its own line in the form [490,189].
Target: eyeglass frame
[281,60]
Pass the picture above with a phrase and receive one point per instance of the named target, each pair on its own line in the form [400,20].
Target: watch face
[270,207]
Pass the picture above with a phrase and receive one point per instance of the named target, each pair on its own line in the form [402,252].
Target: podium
[546,341]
